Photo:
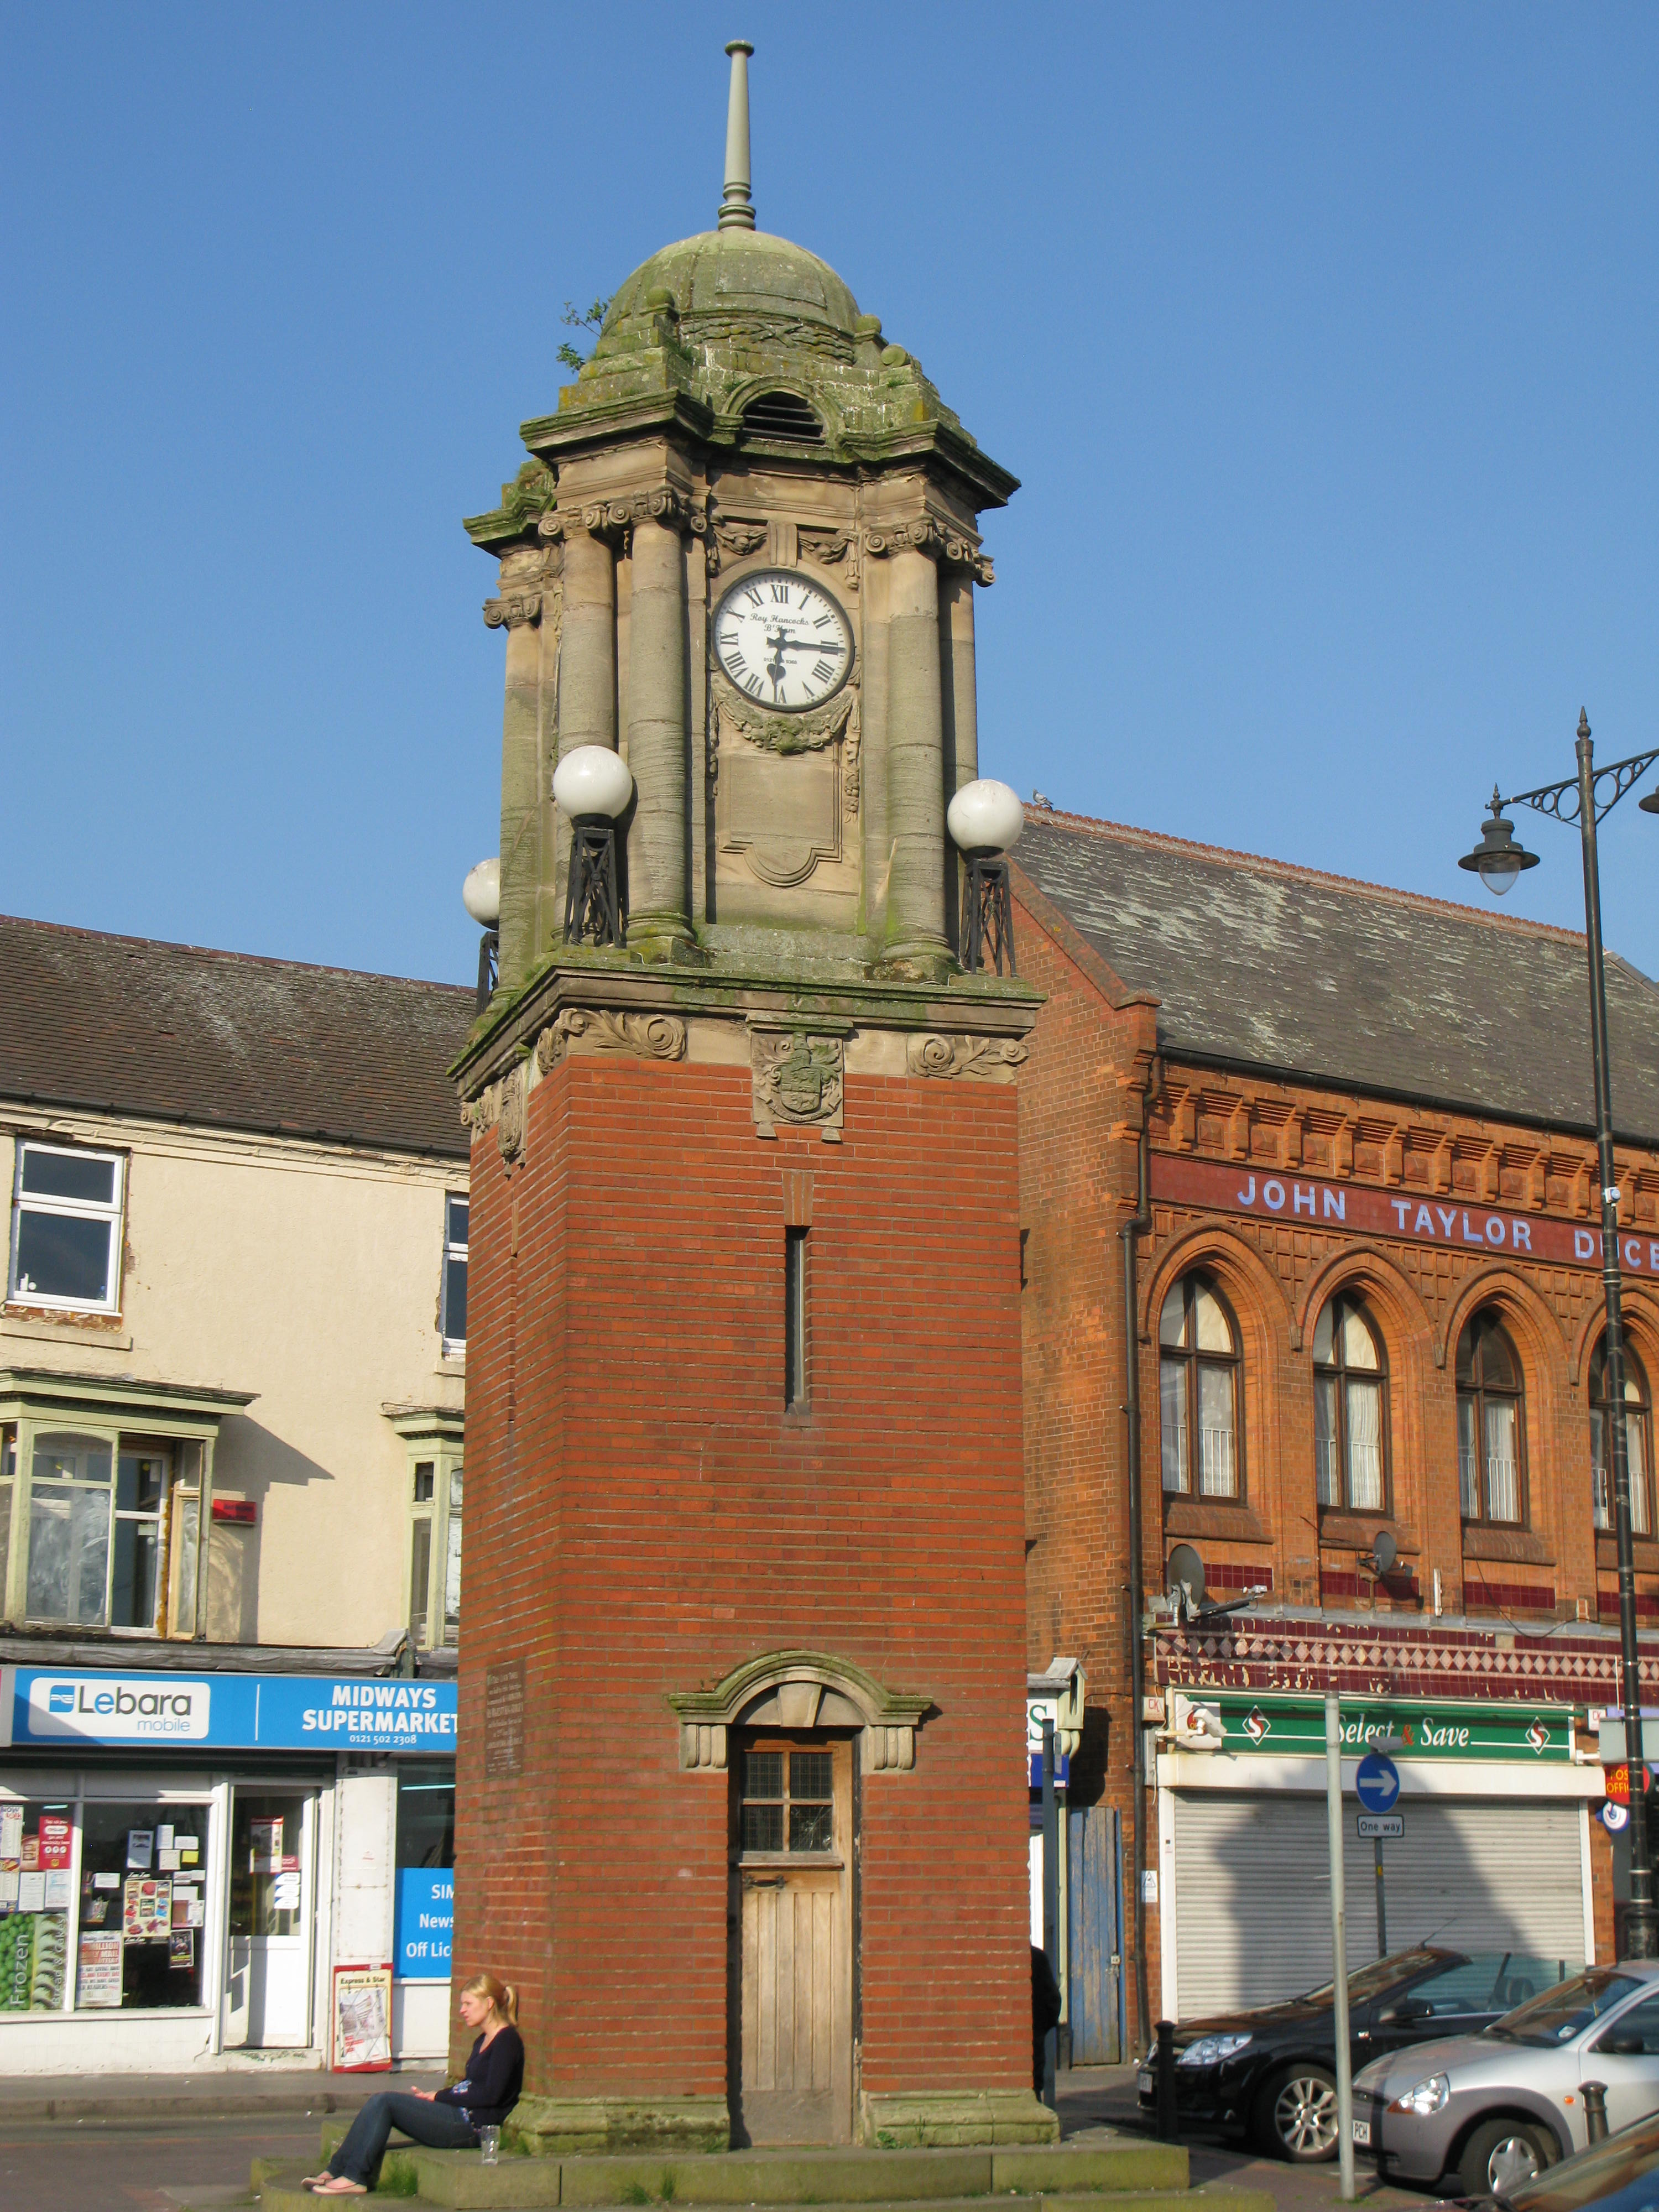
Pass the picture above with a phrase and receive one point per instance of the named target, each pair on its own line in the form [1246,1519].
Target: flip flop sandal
[337,2185]
[310,2180]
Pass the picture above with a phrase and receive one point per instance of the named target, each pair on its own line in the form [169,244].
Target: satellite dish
[1186,1569]
[1384,1552]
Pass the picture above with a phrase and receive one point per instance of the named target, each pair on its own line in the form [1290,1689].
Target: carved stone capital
[500,1106]
[950,546]
[513,610]
[990,1059]
[606,518]
[582,1029]
[799,1690]
[798,1078]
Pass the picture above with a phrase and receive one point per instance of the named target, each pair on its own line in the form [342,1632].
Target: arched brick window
[1199,1375]
[1638,1439]
[1491,1423]
[1351,1418]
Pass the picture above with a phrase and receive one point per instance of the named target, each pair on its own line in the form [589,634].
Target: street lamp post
[1498,859]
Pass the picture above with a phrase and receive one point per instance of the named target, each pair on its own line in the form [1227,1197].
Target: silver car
[1499,2106]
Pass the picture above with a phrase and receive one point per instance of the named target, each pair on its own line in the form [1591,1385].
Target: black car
[1273,2071]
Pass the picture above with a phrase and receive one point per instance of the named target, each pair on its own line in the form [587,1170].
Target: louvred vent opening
[783,415]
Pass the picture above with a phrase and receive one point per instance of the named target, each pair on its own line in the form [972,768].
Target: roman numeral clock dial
[782,641]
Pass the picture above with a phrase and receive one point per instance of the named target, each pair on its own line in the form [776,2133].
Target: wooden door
[791,1969]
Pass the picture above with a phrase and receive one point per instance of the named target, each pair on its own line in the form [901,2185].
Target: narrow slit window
[794,1318]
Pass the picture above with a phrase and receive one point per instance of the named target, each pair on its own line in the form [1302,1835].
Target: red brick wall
[641,1517]
[1079,1113]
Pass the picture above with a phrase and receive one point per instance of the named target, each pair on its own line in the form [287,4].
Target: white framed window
[66,1229]
[100,1530]
[453,1297]
[434,1549]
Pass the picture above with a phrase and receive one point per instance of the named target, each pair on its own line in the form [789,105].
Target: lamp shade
[481,893]
[592,780]
[985,817]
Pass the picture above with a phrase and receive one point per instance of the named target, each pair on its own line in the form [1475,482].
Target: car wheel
[1298,2116]
[1503,2153]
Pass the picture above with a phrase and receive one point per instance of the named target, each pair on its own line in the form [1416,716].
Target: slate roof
[1263,966]
[178,1033]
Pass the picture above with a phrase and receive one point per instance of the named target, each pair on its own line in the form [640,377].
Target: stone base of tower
[742,1802]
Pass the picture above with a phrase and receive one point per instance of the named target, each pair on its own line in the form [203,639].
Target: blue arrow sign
[1377,1782]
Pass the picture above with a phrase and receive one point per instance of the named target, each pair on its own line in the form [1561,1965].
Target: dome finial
[737,208]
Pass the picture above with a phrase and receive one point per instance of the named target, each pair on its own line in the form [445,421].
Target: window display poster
[17,1960]
[32,1893]
[187,1906]
[167,1859]
[164,1836]
[98,1980]
[59,1889]
[267,1841]
[57,1841]
[363,2018]
[9,1878]
[140,1844]
[11,1831]
[181,1952]
[147,1913]
[285,1894]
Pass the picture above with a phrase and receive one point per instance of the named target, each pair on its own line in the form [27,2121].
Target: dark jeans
[440,2127]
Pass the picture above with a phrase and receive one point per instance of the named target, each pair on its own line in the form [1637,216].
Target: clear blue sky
[1323,340]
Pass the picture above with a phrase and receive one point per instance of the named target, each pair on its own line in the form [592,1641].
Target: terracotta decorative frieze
[1365,1661]
[992,1060]
[666,504]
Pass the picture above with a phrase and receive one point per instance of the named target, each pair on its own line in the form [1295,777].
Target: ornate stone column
[588,658]
[961,705]
[529,581]
[657,740]
[915,753]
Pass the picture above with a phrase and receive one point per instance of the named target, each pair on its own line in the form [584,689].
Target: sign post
[1377,1784]
[1339,1948]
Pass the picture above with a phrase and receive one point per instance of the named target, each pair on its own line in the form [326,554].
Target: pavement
[155,2142]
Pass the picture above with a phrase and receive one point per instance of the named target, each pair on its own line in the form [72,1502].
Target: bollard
[1167,2126]
[1595,2094]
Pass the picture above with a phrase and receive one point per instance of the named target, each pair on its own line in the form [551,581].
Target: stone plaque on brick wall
[504,1721]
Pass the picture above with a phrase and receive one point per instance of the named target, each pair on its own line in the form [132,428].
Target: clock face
[782,641]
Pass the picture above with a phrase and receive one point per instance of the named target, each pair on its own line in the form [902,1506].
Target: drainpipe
[1130,1231]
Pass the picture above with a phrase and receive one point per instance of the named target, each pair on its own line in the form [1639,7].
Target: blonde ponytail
[501,1995]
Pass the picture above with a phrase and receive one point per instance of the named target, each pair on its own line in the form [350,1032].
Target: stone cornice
[967,1008]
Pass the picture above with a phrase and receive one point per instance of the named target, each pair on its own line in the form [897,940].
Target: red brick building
[1366,1302]
[740,1807]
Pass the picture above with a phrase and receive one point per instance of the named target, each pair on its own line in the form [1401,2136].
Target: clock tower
[743,1805]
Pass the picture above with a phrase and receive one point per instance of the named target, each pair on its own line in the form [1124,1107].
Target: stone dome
[735,273]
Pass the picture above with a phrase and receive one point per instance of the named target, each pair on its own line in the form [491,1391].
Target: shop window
[453,1298]
[1199,1375]
[1638,1440]
[1491,1425]
[37,1858]
[143,1906]
[426,1864]
[1350,1409]
[66,1229]
[434,1552]
[113,1527]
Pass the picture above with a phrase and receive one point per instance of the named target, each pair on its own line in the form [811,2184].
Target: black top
[495,2076]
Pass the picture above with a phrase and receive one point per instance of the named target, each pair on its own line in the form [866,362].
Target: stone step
[528,2185]
[812,2174]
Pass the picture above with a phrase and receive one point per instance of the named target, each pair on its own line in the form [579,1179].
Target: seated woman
[450,2118]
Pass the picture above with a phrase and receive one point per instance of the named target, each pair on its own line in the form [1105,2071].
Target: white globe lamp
[985,817]
[592,779]
[481,893]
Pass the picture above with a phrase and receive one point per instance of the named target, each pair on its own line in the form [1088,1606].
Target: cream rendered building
[232,1375]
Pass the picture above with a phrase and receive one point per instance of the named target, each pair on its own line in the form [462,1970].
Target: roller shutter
[1253,1907]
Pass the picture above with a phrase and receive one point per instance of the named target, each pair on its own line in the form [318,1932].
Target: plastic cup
[490,2145]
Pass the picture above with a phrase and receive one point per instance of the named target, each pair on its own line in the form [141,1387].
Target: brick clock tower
[742,1805]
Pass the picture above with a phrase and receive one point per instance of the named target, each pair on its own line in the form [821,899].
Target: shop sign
[1420,1218]
[1294,1728]
[266,1712]
[1616,1782]
[1040,1707]
[425,1915]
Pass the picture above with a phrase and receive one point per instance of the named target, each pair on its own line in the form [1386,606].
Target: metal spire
[737,208]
